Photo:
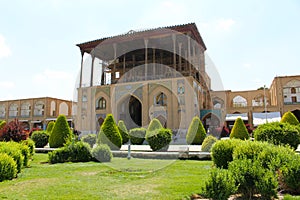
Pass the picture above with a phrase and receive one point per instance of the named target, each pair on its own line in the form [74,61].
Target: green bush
[154,125]
[40,138]
[289,118]
[123,131]
[222,151]
[50,127]
[159,139]
[196,132]
[137,135]
[289,176]
[252,178]
[15,153]
[61,133]
[2,124]
[239,130]
[109,133]
[90,139]
[8,167]
[31,146]
[249,150]
[25,152]
[102,153]
[220,185]
[278,133]
[208,142]
[72,152]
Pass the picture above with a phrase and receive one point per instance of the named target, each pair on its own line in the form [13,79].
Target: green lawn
[120,179]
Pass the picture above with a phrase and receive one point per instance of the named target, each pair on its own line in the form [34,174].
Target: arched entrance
[211,124]
[135,110]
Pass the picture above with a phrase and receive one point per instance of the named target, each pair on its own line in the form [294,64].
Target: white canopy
[233,117]
[262,118]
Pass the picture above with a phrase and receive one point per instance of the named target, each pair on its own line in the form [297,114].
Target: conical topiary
[290,118]
[109,133]
[61,133]
[123,131]
[50,127]
[239,130]
[196,132]
[154,125]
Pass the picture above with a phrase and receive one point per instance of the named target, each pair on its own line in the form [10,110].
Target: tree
[290,118]
[12,131]
[61,133]
[50,127]
[239,130]
[123,131]
[109,133]
[196,132]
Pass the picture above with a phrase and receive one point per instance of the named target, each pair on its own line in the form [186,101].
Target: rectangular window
[286,90]
[294,99]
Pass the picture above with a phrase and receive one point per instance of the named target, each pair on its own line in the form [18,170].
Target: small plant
[13,131]
[220,185]
[15,153]
[90,139]
[40,138]
[239,130]
[50,127]
[31,146]
[2,124]
[102,153]
[137,135]
[159,139]
[222,152]
[196,132]
[208,142]
[61,133]
[123,131]
[8,167]
[289,118]
[109,133]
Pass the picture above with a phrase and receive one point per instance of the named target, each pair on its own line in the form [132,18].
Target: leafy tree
[196,132]
[61,133]
[290,118]
[50,127]
[239,130]
[123,131]
[13,131]
[109,133]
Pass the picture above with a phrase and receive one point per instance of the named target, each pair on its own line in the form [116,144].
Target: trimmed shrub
[249,150]
[90,139]
[289,176]
[220,185]
[61,133]
[31,146]
[208,142]
[123,131]
[2,124]
[25,152]
[239,130]
[289,118]
[196,132]
[13,131]
[159,139]
[154,125]
[137,135]
[222,151]
[15,153]
[252,179]
[40,138]
[278,133]
[102,153]
[72,152]
[50,127]
[109,133]
[8,167]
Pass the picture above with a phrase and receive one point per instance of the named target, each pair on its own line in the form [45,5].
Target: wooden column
[189,55]
[146,57]
[153,61]
[180,57]
[81,70]
[124,67]
[114,67]
[174,50]
[92,70]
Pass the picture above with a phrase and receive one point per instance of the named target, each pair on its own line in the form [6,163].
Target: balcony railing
[291,103]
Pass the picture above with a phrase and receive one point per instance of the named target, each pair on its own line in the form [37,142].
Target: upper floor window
[13,110]
[101,104]
[39,107]
[293,90]
[25,109]
[161,99]
[239,101]
[2,111]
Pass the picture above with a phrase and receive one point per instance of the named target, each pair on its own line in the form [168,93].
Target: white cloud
[6,84]
[4,48]
[225,24]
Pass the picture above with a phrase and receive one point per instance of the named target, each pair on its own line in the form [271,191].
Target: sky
[250,41]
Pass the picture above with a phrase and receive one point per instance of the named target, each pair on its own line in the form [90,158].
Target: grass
[120,179]
[290,197]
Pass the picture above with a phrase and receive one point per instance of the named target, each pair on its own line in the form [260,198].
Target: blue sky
[249,41]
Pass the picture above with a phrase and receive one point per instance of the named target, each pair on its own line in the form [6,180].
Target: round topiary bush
[8,167]
[61,133]
[15,153]
[91,139]
[109,133]
[289,118]
[239,130]
[40,138]
[102,153]
[222,151]
[159,139]
[208,142]
[196,132]
[123,131]
[50,127]
[137,136]
[278,133]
